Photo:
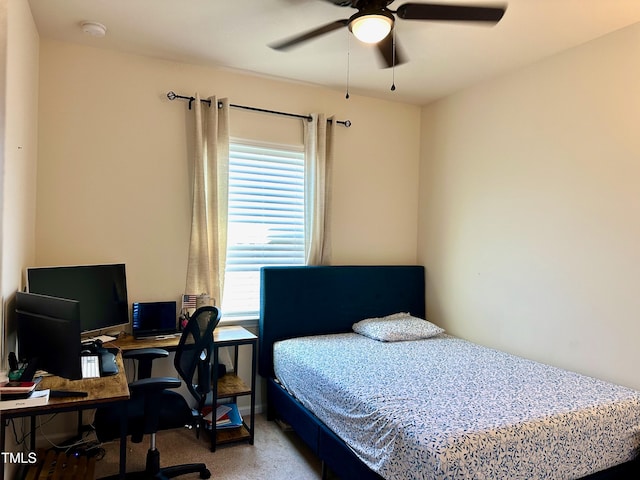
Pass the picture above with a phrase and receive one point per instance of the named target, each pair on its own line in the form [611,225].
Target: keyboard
[90,366]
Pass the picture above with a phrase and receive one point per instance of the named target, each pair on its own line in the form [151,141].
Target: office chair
[153,407]
[192,360]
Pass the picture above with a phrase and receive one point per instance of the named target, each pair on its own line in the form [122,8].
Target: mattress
[445,408]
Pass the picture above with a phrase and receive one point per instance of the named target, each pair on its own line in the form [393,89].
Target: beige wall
[113,178]
[20,155]
[3,78]
[18,149]
[530,210]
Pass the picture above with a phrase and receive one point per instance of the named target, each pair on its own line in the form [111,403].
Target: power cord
[90,447]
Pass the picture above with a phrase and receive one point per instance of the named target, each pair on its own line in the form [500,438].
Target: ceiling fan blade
[385,48]
[294,41]
[464,13]
[341,3]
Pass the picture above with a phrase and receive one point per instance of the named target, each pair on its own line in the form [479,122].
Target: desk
[230,386]
[221,336]
[101,391]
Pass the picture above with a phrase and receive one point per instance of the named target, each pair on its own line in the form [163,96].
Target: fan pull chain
[348,55]
[393,61]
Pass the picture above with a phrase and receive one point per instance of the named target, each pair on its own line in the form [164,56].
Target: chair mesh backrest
[193,355]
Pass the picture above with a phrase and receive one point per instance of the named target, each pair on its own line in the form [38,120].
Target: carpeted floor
[275,455]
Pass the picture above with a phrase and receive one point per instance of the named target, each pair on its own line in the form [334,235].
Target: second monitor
[49,335]
[154,318]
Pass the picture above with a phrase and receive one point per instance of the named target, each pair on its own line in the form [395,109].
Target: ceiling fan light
[371,28]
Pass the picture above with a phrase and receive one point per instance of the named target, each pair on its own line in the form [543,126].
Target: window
[266,219]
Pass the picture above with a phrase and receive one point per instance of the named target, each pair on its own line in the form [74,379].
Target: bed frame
[300,301]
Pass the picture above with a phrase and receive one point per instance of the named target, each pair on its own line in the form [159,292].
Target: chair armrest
[145,357]
[145,353]
[148,385]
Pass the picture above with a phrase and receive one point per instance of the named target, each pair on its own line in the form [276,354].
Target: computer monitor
[49,335]
[153,318]
[100,289]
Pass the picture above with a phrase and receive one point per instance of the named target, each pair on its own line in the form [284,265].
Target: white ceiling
[443,57]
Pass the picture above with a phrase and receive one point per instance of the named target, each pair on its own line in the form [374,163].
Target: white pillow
[396,327]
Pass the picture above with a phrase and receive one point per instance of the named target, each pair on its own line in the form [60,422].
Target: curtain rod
[173,96]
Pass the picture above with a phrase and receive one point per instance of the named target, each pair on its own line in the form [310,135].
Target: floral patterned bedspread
[445,408]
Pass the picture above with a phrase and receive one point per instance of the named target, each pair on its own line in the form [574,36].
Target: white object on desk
[90,366]
[39,397]
[165,337]
[102,338]
[203,300]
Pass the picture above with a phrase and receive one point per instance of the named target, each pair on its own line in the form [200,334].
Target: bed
[465,418]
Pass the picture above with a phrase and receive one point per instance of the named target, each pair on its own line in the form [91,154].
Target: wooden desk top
[127,342]
[232,333]
[101,390]
[221,335]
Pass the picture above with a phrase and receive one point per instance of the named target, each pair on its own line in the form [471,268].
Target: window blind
[266,219]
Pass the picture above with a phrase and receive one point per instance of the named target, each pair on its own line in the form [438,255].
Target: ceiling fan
[373,23]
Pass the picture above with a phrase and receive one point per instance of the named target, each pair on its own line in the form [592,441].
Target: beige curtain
[318,145]
[208,245]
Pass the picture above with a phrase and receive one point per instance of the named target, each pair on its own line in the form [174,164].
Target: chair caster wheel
[205,474]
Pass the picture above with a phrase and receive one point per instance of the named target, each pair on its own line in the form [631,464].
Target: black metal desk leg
[2,444]
[32,442]
[123,440]
[254,365]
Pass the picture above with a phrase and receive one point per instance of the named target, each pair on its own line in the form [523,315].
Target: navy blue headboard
[299,301]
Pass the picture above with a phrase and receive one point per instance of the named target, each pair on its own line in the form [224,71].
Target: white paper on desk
[37,398]
[40,393]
